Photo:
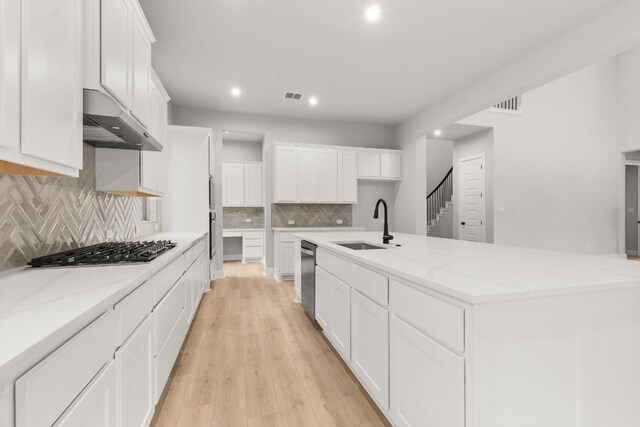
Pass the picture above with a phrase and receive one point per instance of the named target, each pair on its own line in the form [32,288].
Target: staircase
[439,206]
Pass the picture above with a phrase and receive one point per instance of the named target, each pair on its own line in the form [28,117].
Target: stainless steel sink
[359,246]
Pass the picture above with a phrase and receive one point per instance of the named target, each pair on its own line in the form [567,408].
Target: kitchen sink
[359,246]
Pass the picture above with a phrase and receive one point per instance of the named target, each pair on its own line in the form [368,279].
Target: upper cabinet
[323,174]
[41,87]
[242,184]
[380,164]
[117,53]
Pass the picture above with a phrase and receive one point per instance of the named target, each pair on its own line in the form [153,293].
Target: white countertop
[480,272]
[295,229]
[233,230]
[40,309]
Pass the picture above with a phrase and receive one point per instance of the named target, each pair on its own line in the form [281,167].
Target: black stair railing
[439,197]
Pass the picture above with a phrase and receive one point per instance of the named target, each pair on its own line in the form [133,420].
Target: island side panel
[560,361]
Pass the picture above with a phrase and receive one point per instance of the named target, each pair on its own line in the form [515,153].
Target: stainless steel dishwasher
[308,279]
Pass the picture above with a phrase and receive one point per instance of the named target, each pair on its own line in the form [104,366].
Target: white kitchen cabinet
[379,165]
[390,165]
[41,87]
[153,163]
[286,167]
[233,184]
[116,59]
[287,254]
[427,380]
[370,346]
[347,176]
[141,51]
[135,377]
[309,175]
[253,185]
[340,317]
[327,165]
[96,406]
[323,299]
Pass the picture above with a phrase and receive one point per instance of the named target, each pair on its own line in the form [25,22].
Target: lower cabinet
[427,380]
[96,406]
[333,311]
[323,298]
[370,346]
[135,377]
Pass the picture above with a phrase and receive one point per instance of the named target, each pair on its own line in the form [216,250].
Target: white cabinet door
[340,313]
[96,406]
[52,81]
[116,65]
[10,74]
[308,187]
[327,176]
[253,185]
[427,380]
[212,161]
[370,346]
[233,184]
[286,174]
[141,72]
[390,165]
[347,177]
[368,164]
[323,299]
[135,376]
[287,252]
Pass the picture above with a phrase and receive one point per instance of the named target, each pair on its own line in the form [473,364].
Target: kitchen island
[452,333]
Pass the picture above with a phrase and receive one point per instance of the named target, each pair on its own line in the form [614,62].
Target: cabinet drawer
[168,355]
[252,242]
[437,318]
[252,252]
[253,235]
[192,254]
[133,309]
[335,265]
[168,311]
[370,283]
[45,392]
[285,237]
[164,280]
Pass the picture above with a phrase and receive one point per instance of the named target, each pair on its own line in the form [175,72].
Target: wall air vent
[293,96]
[511,105]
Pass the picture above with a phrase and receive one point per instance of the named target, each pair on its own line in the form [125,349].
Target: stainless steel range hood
[108,125]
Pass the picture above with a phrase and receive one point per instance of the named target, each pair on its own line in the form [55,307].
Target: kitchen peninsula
[453,333]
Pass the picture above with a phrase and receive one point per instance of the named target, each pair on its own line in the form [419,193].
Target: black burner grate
[106,253]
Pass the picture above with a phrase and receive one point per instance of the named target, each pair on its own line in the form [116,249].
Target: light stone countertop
[42,308]
[480,272]
[314,229]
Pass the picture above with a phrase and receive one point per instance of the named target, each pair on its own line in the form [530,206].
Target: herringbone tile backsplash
[310,215]
[44,215]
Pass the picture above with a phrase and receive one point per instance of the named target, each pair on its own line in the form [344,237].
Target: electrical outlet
[339,221]
[291,222]
[247,220]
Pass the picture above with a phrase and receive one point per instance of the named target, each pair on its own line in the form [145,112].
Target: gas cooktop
[106,254]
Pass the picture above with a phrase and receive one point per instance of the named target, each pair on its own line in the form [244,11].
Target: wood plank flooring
[253,358]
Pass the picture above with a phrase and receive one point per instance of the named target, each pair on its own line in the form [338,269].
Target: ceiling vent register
[293,96]
[511,105]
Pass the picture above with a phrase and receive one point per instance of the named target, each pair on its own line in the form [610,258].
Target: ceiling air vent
[511,105]
[293,96]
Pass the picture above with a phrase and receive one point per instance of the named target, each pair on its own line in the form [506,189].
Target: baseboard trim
[268,271]
[218,274]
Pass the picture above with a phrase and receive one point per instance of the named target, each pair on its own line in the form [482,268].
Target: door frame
[460,186]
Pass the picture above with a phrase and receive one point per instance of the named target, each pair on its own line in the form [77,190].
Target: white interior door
[471,211]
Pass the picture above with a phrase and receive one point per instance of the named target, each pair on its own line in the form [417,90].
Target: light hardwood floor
[253,358]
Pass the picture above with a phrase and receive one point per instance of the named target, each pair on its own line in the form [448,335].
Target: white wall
[556,166]
[604,37]
[245,151]
[439,161]
[477,143]
[295,130]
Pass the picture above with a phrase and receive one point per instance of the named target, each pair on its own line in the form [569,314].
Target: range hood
[107,125]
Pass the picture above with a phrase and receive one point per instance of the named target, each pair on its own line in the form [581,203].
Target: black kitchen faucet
[386,237]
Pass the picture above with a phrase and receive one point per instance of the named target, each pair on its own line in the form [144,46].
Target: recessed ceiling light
[437,132]
[373,13]
[313,101]
[235,91]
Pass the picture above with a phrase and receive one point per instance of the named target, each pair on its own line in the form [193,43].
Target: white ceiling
[420,52]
